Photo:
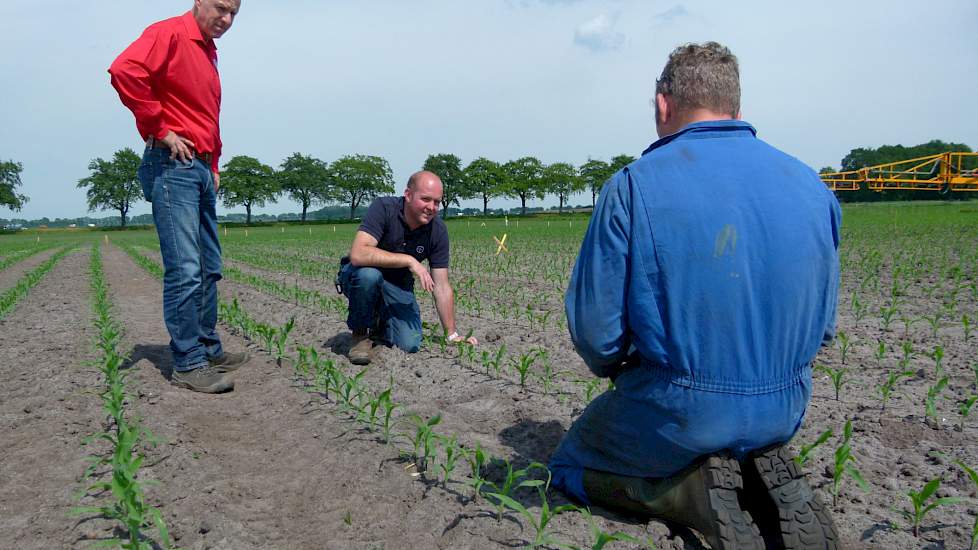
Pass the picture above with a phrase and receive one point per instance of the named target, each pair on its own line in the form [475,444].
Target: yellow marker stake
[283,230]
[246,232]
[225,231]
[106,239]
[501,243]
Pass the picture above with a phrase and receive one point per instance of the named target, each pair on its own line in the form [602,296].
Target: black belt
[205,157]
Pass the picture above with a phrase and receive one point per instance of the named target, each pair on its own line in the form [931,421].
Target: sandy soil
[271,465]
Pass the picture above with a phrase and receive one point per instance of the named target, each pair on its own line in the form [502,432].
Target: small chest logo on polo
[419,250]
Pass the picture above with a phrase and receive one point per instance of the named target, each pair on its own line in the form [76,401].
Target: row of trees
[524,178]
[356,179]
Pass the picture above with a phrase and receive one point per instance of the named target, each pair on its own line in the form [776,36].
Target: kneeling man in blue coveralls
[705,285]
[396,235]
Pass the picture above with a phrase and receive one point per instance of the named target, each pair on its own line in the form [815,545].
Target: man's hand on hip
[180,147]
[217,181]
[422,274]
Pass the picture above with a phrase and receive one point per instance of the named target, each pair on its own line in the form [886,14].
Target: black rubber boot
[703,497]
[787,510]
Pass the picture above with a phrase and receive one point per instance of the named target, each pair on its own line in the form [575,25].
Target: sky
[561,80]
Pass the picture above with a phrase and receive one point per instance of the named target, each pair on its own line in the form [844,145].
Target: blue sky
[562,80]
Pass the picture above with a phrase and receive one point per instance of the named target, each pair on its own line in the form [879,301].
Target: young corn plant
[964,409]
[922,504]
[886,388]
[524,364]
[880,352]
[907,348]
[281,338]
[844,465]
[514,480]
[477,459]
[493,361]
[805,453]
[424,440]
[934,320]
[844,344]
[836,375]
[886,315]
[453,452]
[267,335]
[933,392]
[938,356]
[542,537]
[967,326]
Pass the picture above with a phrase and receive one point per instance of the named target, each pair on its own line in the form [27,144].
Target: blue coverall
[705,285]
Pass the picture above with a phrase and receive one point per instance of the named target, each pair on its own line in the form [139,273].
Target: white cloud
[676,12]
[599,34]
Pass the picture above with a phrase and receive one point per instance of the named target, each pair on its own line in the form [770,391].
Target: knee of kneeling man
[369,276]
[410,344]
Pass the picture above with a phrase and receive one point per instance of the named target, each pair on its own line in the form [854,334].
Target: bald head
[424,180]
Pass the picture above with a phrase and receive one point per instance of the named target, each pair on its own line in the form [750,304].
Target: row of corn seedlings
[19,255]
[434,456]
[12,296]
[116,471]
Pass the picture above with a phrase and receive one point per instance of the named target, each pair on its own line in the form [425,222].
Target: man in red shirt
[168,78]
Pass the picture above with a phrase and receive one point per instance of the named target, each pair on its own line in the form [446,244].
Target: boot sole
[734,527]
[804,523]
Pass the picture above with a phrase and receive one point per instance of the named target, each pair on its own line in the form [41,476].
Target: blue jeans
[184,211]
[376,302]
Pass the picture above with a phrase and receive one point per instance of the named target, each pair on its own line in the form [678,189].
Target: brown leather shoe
[206,379]
[360,350]
[229,362]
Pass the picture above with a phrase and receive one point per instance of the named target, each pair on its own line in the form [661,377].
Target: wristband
[453,336]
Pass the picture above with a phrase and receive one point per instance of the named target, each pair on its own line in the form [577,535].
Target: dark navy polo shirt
[385,222]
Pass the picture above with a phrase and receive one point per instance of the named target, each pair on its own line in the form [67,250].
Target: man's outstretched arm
[445,305]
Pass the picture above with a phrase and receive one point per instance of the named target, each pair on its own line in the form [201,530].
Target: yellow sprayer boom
[944,172]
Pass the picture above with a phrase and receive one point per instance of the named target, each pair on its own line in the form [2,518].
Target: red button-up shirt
[168,79]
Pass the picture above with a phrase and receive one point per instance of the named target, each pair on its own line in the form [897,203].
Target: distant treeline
[867,156]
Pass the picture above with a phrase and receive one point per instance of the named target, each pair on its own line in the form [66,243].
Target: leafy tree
[246,181]
[484,177]
[562,180]
[523,180]
[620,162]
[360,177]
[594,174]
[449,170]
[305,179]
[826,170]
[9,179]
[113,185]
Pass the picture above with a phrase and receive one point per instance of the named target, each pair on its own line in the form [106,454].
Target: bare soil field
[277,464]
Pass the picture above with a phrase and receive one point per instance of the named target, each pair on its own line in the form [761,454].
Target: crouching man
[706,282]
[396,235]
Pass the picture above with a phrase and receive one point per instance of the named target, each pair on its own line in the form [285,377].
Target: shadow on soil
[158,355]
